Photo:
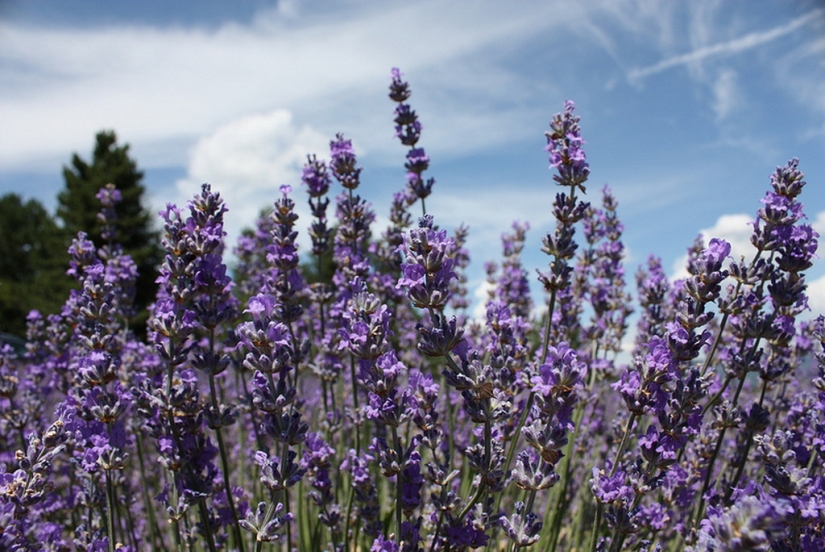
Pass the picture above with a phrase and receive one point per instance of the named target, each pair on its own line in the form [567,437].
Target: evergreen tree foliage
[33,262]
[78,208]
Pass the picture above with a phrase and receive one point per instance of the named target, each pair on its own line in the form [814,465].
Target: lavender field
[343,397]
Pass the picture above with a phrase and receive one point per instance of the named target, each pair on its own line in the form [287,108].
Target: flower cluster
[408,131]
[353,404]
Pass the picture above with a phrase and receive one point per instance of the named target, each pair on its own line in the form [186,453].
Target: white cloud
[731,47]
[214,93]
[707,40]
[176,84]
[816,297]
[737,229]
[734,228]
[247,160]
[818,223]
[481,296]
[726,94]
[490,212]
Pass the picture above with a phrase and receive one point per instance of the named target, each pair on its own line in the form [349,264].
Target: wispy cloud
[154,83]
[731,47]
[726,94]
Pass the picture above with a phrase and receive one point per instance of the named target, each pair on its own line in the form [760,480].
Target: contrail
[735,46]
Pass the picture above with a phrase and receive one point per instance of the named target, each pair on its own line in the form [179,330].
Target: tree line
[34,242]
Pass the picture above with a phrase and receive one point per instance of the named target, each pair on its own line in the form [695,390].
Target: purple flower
[653,287]
[412,483]
[440,340]
[417,161]
[380,544]
[267,342]
[316,177]
[365,326]
[747,525]
[343,162]
[408,131]
[467,535]
[533,473]
[564,144]
[523,529]
[554,385]
[609,489]
[109,196]
[385,410]
[399,89]
[797,249]
[428,271]
[787,181]
[266,523]
[278,473]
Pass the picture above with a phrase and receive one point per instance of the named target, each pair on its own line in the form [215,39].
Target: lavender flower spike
[564,143]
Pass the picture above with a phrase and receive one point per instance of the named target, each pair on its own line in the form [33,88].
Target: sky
[686,107]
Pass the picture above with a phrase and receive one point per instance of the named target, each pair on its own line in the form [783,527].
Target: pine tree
[78,208]
[33,262]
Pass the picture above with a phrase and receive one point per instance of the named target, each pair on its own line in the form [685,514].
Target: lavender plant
[361,408]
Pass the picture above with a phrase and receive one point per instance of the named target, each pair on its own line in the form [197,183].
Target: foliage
[32,262]
[371,413]
[78,207]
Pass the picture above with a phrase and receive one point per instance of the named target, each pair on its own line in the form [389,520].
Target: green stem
[270,510]
[399,484]
[350,500]
[812,462]
[110,511]
[623,443]
[482,487]
[287,509]
[717,396]
[437,530]
[355,404]
[147,501]
[207,528]
[131,528]
[600,509]
[700,509]
[744,457]
[716,340]
[560,509]
[550,308]
[258,437]
[594,535]
[236,528]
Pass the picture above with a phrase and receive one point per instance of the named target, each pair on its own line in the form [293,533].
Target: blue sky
[687,107]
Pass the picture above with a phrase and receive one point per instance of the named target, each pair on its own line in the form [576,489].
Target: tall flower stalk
[501,428]
[408,131]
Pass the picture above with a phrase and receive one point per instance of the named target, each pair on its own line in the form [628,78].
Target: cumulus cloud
[816,288]
[247,160]
[818,222]
[481,296]
[736,229]
[816,297]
